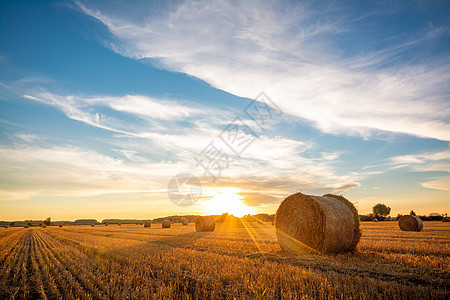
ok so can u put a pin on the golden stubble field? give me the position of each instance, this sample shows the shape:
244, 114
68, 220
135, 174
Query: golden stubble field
238, 260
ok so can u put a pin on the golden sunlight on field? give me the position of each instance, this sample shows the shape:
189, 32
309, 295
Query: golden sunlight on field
238, 260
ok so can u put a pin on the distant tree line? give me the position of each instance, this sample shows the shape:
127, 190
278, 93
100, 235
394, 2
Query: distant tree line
381, 212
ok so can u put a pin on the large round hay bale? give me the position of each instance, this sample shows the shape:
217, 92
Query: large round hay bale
306, 223
410, 223
205, 224
166, 224
147, 224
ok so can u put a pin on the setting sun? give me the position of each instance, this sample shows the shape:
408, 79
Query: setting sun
227, 201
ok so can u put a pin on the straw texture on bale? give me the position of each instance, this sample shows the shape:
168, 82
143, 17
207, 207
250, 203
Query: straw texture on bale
205, 224
410, 223
147, 224
306, 223
166, 224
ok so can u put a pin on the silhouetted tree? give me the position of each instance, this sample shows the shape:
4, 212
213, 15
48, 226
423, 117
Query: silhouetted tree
48, 221
381, 210
412, 213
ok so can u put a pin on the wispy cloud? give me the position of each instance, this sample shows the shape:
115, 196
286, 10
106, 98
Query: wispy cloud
71, 171
436, 161
147, 156
29, 171
244, 48
442, 183
28, 137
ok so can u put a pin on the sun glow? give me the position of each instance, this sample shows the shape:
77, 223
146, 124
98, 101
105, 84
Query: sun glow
227, 200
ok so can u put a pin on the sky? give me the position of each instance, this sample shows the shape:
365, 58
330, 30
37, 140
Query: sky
119, 109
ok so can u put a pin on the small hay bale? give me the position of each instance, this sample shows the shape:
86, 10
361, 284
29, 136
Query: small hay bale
375, 220
119, 224
205, 224
306, 223
446, 219
60, 225
43, 226
185, 222
92, 225
410, 223
166, 224
147, 224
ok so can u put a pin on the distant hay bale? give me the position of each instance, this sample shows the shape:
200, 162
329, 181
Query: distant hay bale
60, 225
92, 225
119, 224
306, 223
205, 224
106, 224
446, 219
185, 222
410, 223
147, 224
166, 224
375, 220
43, 226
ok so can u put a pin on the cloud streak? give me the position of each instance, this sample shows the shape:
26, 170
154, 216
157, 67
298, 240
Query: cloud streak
436, 161
151, 149
290, 52
442, 184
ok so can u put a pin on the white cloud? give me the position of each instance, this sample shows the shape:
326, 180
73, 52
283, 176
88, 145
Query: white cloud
66, 171
147, 107
28, 137
437, 161
421, 158
247, 47
442, 183
272, 159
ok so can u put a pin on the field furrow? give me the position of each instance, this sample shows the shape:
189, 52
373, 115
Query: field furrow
240, 261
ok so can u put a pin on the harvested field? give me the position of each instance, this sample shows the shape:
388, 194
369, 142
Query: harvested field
241, 260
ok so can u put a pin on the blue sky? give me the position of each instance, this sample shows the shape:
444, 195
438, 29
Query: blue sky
102, 103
